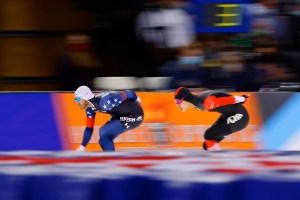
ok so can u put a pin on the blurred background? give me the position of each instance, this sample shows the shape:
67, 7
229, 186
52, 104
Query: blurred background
238, 45
148, 45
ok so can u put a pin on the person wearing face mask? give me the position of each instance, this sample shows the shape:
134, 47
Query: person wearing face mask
78, 63
191, 60
188, 68
234, 116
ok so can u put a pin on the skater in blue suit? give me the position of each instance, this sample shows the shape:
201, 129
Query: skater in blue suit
125, 110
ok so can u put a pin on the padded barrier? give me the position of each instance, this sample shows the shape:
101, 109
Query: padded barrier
189, 175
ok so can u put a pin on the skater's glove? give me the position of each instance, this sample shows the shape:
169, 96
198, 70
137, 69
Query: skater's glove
246, 96
80, 148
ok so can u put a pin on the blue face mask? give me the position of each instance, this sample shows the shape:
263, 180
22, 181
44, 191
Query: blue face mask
191, 60
295, 13
272, 12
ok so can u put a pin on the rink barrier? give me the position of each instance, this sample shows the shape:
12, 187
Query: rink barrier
53, 121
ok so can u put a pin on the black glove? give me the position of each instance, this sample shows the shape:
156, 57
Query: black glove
246, 96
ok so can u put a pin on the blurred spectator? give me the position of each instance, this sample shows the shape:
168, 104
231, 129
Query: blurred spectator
293, 10
264, 7
166, 25
269, 69
268, 19
163, 26
186, 69
78, 64
234, 70
212, 45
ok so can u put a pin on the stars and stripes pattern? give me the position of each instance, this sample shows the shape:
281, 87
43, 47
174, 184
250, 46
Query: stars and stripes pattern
110, 101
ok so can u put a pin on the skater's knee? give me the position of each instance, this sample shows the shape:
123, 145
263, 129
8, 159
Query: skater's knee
103, 132
208, 135
102, 141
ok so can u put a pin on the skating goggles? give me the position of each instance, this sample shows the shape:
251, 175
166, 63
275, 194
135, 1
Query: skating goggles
77, 99
178, 101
